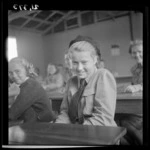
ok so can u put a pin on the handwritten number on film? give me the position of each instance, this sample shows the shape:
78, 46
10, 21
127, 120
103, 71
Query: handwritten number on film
25, 7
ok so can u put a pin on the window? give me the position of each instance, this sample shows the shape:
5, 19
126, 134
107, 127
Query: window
87, 18
12, 48
72, 22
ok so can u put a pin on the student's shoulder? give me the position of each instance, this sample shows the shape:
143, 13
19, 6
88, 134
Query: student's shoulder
133, 69
104, 75
59, 75
103, 72
33, 82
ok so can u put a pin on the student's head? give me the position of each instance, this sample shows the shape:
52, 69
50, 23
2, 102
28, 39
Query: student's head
136, 50
101, 64
51, 69
20, 69
83, 55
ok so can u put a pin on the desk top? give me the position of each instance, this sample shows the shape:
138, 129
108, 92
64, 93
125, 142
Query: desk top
130, 96
120, 96
67, 134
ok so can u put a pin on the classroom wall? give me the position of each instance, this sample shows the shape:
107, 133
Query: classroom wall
105, 33
30, 46
137, 21
42, 50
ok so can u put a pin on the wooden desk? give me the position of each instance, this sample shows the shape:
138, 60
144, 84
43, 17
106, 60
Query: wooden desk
129, 103
120, 96
128, 96
126, 102
66, 134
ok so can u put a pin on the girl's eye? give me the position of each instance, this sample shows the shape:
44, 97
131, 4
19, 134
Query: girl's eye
133, 53
10, 73
139, 52
17, 71
74, 63
84, 63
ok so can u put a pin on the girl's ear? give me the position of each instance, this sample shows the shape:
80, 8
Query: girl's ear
95, 59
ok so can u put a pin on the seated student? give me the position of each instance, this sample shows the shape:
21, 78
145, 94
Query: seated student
32, 103
134, 122
90, 97
54, 81
136, 51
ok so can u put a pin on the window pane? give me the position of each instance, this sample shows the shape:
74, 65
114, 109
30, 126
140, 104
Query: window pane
12, 48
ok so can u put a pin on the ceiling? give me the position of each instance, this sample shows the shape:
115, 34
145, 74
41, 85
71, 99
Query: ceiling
47, 22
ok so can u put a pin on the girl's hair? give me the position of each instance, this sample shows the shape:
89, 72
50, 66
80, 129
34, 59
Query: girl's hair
67, 58
134, 43
85, 43
30, 70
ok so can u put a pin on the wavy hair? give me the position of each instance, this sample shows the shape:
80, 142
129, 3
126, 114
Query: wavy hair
30, 70
134, 43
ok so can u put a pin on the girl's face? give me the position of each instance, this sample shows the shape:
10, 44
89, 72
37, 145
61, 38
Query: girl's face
51, 69
17, 73
83, 64
137, 53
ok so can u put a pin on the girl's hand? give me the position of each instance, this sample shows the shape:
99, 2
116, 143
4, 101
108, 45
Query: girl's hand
130, 89
134, 88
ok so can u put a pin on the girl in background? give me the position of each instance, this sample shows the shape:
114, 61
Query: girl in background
54, 81
136, 52
32, 103
133, 122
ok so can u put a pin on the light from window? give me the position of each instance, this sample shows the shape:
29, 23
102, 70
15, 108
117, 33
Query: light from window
12, 48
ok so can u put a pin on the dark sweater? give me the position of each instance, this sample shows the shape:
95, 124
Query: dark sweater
31, 104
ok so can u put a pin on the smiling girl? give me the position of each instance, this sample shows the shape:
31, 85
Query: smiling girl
32, 103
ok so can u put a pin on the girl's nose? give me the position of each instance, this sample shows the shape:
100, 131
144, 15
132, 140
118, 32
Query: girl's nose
80, 66
137, 55
14, 75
